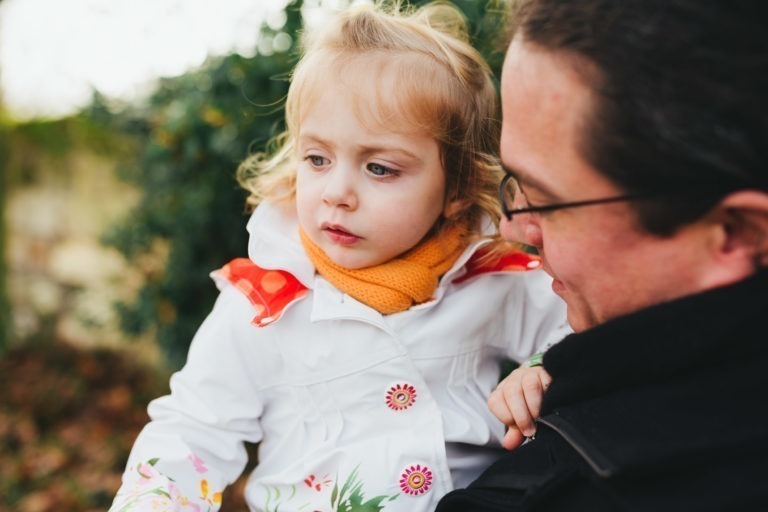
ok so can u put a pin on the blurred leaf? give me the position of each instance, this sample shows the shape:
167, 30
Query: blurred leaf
67, 421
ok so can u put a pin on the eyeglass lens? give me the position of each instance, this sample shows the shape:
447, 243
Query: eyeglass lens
512, 192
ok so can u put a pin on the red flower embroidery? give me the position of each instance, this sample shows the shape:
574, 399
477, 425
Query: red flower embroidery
314, 483
401, 397
416, 480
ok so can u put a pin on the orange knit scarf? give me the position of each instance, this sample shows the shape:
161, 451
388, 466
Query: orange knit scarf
397, 284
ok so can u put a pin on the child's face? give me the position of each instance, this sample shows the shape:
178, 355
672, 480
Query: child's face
365, 193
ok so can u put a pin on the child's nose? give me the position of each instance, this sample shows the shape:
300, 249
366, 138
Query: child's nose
339, 190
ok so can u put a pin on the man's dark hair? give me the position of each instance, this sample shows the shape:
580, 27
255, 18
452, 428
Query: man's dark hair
681, 93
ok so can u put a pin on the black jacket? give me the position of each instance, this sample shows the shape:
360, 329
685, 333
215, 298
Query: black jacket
661, 410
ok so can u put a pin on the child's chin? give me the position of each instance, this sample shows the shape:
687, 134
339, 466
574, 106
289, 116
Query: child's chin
352, 261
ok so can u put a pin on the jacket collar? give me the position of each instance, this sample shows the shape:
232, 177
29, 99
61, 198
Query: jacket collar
274, 241
661, 341
677, 379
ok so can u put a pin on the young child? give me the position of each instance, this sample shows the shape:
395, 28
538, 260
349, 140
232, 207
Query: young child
360, 341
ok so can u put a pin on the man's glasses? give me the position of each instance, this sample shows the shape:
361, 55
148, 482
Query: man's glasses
508, 189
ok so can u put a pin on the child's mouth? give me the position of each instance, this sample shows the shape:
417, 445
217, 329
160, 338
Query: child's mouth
340, 236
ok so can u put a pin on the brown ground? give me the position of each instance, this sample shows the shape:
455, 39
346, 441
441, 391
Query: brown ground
68, 419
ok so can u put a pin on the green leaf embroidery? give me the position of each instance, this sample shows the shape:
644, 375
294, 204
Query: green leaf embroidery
354, 502
335, 493
350, 498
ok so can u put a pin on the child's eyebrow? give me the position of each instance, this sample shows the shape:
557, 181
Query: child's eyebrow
390, 149
308, 137
372, 149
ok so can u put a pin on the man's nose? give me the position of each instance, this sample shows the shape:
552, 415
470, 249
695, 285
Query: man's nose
521, 229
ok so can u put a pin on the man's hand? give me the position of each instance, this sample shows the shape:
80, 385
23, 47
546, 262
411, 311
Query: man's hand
516, 401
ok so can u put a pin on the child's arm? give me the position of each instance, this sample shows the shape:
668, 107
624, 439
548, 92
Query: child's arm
516, 401
193, 447
538, 320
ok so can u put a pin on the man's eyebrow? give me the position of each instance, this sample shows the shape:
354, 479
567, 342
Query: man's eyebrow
528, 182
512, 172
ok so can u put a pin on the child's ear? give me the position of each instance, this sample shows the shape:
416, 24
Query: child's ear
744, 220
454, 208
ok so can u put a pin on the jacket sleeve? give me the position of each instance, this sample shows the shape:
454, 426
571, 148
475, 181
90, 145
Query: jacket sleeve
193, 447
535, 316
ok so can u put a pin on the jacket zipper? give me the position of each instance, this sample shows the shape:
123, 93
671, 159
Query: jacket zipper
600, 470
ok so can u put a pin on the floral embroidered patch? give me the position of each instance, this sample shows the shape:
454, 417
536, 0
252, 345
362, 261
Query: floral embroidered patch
401, 397
337, 495
416, 480
149, 489
317, 483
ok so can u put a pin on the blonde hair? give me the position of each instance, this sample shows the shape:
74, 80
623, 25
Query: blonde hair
440, 85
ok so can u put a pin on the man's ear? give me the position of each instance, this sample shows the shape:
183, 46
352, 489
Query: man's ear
744, 218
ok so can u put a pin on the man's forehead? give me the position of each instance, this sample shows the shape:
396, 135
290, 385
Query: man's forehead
545, 109
511, 61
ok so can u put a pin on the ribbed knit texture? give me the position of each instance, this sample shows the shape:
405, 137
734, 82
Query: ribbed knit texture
398, 284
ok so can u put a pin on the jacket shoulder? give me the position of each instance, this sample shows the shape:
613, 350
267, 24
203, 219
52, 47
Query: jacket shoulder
481, 263
542, 475
269, 291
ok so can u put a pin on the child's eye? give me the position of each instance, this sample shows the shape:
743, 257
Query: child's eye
380, 170
316, 160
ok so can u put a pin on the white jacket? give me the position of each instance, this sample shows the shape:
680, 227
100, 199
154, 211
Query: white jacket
352, 409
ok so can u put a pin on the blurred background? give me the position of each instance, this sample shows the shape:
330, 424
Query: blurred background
121, 125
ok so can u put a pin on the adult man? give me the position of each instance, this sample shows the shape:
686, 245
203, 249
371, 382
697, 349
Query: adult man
637, 133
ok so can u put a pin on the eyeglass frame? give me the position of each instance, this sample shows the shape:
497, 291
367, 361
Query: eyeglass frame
509, 213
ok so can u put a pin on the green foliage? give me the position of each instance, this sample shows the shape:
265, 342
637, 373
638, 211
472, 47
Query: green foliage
31, 149
4, 328
194, 132
487, 23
